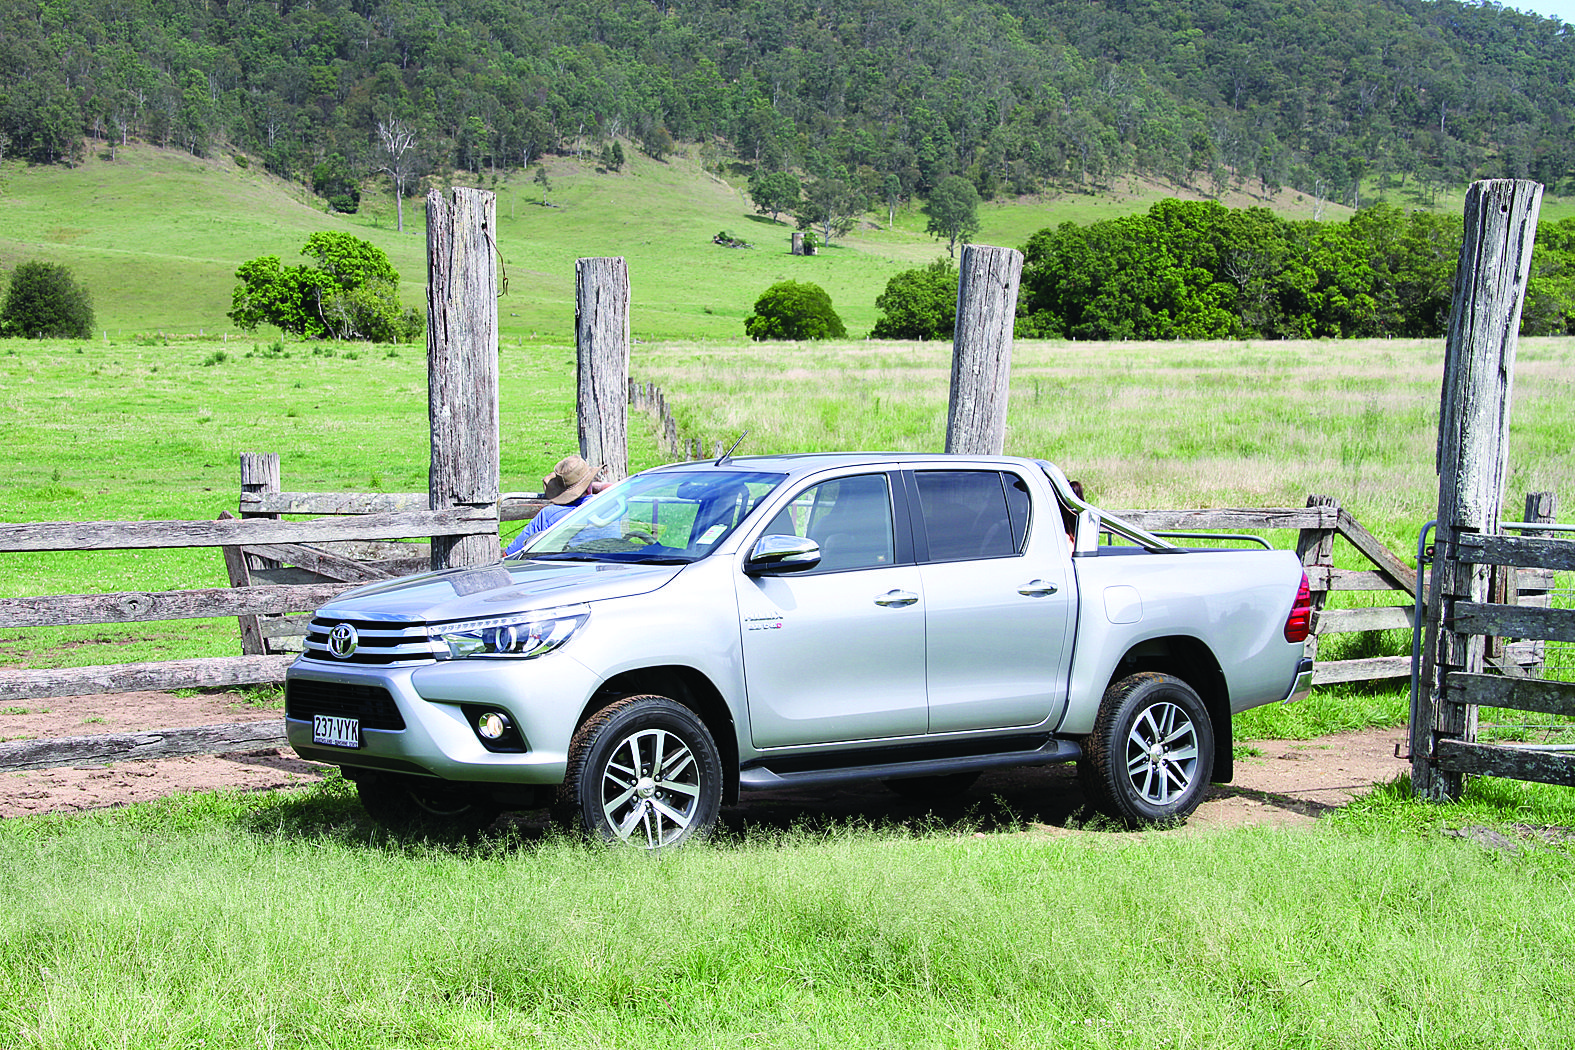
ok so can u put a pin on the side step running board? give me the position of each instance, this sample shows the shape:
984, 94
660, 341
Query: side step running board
761, 777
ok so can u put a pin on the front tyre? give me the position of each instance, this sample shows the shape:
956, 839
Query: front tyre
644, 771
1151, 752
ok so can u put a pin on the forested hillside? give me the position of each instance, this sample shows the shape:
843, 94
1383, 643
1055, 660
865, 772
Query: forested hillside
884, 96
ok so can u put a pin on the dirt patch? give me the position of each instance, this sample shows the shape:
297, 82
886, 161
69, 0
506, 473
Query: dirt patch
73, 789
1287, 783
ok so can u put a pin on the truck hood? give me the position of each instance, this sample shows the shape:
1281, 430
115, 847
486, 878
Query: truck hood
496, 590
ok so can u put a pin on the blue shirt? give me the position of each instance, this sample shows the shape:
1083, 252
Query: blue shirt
544, 517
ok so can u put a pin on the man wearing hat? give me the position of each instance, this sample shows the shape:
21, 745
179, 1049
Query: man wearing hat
572, 482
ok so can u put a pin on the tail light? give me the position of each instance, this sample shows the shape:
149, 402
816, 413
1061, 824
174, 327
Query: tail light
1298, 625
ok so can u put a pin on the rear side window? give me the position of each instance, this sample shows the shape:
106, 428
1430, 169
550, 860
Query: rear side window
973, 514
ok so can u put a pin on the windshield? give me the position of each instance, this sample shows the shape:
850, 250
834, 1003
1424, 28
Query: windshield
663, 516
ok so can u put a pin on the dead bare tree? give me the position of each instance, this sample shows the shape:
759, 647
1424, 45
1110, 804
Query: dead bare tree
398, 139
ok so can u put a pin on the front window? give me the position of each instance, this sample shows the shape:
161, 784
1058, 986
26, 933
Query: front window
850, 519
662, 516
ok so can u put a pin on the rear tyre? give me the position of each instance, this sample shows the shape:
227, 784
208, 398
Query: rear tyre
1151, 752
420, 805
942, 787
643, 771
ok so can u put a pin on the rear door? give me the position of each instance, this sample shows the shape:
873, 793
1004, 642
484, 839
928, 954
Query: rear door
999, 600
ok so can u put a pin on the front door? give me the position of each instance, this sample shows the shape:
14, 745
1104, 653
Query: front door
836, 653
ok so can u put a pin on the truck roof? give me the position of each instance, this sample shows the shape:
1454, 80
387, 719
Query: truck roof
797, 463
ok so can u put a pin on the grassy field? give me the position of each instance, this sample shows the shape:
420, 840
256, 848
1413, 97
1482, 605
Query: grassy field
283, 920
1148, 424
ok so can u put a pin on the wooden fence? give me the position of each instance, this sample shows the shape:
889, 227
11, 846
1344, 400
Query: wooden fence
1462, 691
1318, 525
1471, 600
261, 603
670, 441
282, 569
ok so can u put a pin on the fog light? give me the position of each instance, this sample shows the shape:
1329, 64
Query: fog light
492, 725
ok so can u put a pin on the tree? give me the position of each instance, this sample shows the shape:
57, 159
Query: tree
351, 293
832, 205
774, 192
919, 304
794, 310
891, 190
953, 209
349, 260
542, 181
44, 301
333, 180
658, 142
398, 139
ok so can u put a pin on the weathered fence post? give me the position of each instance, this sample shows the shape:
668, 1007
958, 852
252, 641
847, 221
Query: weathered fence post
259, 473
982, 349
601, 337
1473, 438
462, 366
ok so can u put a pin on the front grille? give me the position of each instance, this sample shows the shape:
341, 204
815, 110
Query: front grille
372, 704
377, 642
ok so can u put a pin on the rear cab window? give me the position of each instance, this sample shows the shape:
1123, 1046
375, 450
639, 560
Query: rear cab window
972, 514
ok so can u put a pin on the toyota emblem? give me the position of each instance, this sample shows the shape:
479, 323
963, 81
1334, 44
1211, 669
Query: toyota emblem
342, 641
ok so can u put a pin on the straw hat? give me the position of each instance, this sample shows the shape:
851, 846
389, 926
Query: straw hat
568, 480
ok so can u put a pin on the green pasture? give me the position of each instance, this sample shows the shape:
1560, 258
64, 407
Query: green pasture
284, 920
1147, 425
156, 236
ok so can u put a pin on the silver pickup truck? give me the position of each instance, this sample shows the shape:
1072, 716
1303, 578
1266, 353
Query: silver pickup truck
706, 628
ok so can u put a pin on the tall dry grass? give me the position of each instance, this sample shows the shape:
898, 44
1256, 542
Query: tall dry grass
1146, 425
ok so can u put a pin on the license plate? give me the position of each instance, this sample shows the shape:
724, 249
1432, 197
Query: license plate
335, 731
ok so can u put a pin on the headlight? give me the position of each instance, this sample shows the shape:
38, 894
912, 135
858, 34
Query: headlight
521, 637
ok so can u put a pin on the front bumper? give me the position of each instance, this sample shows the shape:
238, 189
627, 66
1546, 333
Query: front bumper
431, 735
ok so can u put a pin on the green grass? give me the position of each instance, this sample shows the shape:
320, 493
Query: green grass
284, 920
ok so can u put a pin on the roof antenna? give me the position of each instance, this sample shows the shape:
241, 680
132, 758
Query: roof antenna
729, 453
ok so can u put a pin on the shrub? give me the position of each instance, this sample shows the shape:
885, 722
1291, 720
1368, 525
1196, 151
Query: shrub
919, 304
352, 293
45, 302
794, 310
333, 180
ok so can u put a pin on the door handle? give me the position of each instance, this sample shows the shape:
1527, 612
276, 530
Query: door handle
1037, 589
896, 599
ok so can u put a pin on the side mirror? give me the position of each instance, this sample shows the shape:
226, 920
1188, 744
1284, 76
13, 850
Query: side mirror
774, 555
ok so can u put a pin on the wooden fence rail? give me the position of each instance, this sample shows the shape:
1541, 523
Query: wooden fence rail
1318, 525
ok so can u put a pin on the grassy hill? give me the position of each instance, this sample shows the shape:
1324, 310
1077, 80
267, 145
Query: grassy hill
156, 236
